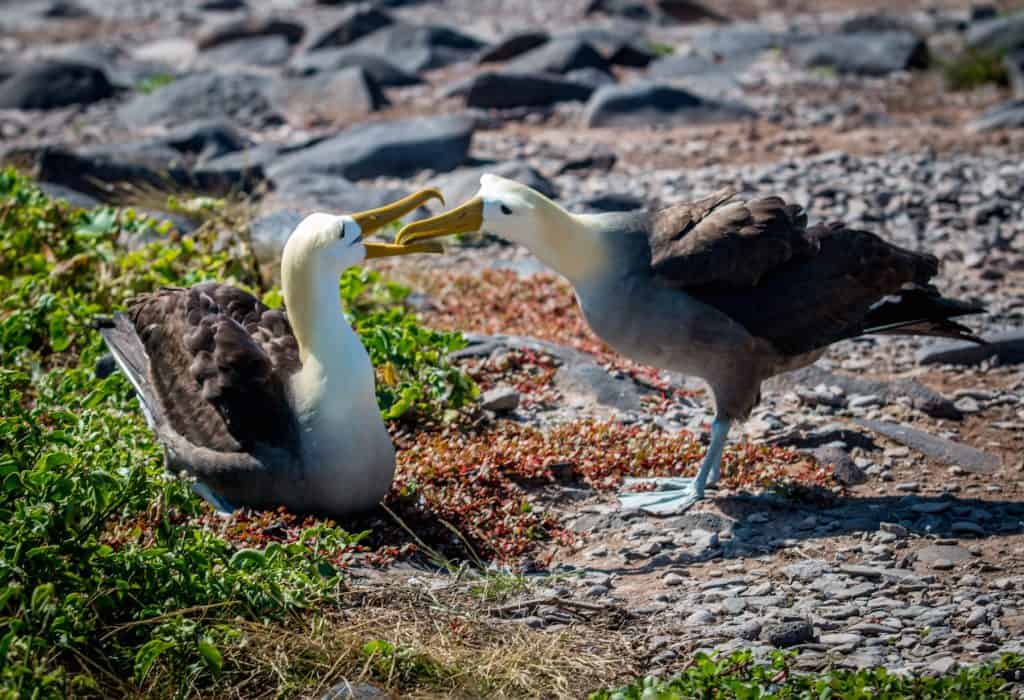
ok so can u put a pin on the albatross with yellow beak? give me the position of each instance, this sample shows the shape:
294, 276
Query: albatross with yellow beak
729, 291
269, 407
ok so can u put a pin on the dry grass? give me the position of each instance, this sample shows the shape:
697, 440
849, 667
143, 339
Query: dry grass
447, 644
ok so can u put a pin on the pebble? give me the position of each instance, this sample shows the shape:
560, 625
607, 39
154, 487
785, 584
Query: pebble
673, 579
789, 634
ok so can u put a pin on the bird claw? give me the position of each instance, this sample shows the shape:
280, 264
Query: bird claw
672, 495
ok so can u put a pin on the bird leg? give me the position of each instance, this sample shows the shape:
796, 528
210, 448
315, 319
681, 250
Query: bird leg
673, 495
222, 507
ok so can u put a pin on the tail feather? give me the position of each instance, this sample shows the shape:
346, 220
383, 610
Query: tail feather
130, 355
921, 310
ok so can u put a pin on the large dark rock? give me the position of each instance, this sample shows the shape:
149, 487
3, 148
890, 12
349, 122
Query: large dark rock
512, 46
610, 202
744, 40
253, 51
396, 148
122, 70
650, 104
1008, 115
415, 48
247, 27
559, 56
1007, 347
241, 96
998, 34
924, 399
385, 73
205, 139
100, 171
620, 46
358, 22
509, 90
689, 11
945, 451
344, 95
702, 75
876, 23
54, 84
864, 53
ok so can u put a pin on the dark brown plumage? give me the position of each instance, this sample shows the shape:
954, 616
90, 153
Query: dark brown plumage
799, 288
211, 365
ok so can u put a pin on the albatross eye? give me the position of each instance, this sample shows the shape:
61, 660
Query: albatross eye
341, 233
505, 210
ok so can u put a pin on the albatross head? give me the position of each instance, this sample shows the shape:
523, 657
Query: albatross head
520, 214
336, 243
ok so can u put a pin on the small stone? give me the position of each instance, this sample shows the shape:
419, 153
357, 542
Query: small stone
673, 579
894, 529
789, 634
500, 399
976, 617
841, 639
908, 486
943, 666
700, 618
942, 565
597, 591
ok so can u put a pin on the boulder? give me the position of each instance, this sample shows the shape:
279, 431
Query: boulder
123, 71
744, 40
242, 96
53, 84
100, 170
247, 27
512, 46
383, 72
864, 53
253, 51
998, 34
654, 104
1008, 348
1008, 115
509, 90
356, 23
415, 48
205, 139
610, 202
348, 94
946, 451
559, 56
396, 148
700, 74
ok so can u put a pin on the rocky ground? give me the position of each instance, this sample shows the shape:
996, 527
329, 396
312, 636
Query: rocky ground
910, 553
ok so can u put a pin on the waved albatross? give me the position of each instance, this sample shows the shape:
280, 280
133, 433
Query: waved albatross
731, 292
268, 407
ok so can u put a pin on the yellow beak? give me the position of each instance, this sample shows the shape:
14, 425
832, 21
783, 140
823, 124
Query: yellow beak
387, 250
466, 218
373, 220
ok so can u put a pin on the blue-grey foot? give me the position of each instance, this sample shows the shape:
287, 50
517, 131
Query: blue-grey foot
206, 493
675, 495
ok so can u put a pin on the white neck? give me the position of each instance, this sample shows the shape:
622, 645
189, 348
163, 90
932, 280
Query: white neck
335, 385
569, 244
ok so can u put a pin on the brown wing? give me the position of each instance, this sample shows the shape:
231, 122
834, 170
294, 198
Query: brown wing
799, 288
719, 241
219, 361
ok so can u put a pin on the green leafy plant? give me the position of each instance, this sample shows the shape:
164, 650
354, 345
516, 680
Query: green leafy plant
974, 68
740, 677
